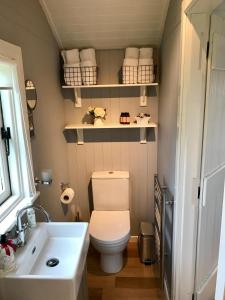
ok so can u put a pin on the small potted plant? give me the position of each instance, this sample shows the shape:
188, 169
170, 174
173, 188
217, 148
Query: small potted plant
142, 119
98, 114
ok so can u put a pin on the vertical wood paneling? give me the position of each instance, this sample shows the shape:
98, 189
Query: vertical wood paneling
114, 149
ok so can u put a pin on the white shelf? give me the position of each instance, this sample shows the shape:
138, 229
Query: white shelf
142, 86
80, 127
107, 85
109, 126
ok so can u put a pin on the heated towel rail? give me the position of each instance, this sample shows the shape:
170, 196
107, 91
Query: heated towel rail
163, 232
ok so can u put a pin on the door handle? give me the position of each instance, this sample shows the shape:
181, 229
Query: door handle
169, 202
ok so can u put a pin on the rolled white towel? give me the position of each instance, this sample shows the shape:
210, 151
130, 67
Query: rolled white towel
146, 52
72, 74
133, 62
145, 62
77, 65
70, 56
132, 52
88, 63
88, 55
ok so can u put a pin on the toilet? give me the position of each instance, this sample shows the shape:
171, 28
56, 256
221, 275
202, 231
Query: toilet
110, 220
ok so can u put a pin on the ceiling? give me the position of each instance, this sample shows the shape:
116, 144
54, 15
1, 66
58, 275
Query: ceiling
106, 24
221, 10
204, 6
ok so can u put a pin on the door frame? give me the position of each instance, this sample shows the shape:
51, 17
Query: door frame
195, 33
193, 76
220, 288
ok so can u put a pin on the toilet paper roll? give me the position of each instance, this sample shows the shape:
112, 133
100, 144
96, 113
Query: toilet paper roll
67, 196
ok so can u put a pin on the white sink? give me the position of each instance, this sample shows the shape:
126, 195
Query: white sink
33, 279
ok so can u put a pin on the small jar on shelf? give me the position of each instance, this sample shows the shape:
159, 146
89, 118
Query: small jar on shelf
125, 118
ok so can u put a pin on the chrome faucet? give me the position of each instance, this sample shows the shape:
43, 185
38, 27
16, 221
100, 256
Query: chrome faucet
22, 228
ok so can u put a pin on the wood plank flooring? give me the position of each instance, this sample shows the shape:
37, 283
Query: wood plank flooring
135, 281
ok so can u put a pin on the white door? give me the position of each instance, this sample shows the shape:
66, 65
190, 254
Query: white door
213, 166
220, 282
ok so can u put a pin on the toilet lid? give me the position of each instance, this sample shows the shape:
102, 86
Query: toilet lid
109, 226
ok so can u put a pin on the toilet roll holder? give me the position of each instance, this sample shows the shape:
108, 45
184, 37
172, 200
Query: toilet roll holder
38, 181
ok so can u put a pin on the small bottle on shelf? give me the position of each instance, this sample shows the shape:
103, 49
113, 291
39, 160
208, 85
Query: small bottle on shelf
121, 118
127, 118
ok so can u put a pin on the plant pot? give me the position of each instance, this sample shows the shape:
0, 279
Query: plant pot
98, 122
142, 121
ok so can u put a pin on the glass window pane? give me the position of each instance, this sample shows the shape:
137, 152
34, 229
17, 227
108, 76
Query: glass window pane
5, 190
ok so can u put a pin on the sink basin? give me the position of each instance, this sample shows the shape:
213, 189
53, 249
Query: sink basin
64, 246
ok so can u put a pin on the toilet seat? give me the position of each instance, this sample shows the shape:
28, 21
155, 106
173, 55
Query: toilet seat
109, 227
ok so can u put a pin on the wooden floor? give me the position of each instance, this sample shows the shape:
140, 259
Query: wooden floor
135, 281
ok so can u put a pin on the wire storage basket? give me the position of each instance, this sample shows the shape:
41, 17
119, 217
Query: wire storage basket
129, 74
146, 74
89, 75
72, 75
141, 74
76, 76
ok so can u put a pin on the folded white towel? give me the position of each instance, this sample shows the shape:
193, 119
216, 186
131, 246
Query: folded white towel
70, 56
77, 65
72, 74
88, 63
145, 62
132, 52
130, 62
88, 55
146, 52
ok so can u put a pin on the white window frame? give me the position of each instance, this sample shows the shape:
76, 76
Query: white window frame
5, 188
23, 187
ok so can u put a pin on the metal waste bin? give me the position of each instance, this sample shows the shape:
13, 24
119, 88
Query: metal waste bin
146, 243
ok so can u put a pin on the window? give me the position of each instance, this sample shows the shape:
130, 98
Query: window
17, 187
5, 188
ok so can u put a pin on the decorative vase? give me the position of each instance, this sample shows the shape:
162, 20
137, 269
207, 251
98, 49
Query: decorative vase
98, 122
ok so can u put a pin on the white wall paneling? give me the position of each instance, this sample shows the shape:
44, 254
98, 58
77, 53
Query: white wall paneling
113, 149
114, 25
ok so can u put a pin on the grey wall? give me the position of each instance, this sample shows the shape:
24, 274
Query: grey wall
23, 23
114, 149
169, 93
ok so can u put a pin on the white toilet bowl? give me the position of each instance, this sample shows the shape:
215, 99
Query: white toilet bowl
109, 234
